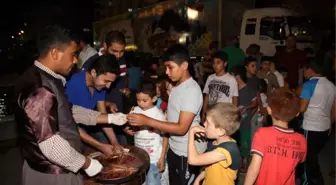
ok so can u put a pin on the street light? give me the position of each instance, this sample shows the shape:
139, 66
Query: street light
12, 37
192, 14
22, 31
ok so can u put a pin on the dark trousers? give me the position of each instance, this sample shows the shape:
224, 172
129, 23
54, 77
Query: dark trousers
180, 172
311, 168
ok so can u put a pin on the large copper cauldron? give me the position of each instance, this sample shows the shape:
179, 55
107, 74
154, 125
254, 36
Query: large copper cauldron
140, 178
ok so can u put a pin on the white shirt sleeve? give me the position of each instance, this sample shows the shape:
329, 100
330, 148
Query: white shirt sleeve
281, 80
58, 150
234, 87
206, 87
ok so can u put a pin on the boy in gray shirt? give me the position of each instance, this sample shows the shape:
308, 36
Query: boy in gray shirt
247, 107
184, 107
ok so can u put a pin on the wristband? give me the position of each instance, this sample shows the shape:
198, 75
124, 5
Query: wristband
110, 118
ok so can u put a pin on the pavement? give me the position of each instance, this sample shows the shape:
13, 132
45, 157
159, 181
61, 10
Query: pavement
11, 163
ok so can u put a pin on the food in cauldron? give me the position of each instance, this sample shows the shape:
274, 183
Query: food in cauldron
121, 159
121, 167
116, 172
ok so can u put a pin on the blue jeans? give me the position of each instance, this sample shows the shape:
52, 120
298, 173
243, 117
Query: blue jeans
100, 136
121, 139
153, 175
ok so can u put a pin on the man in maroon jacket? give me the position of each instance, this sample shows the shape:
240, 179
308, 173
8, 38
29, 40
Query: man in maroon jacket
291, 59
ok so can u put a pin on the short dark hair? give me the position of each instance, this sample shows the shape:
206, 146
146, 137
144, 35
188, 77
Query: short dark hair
241, 72
115, 37
177, 53
313, 65
255, 46
105, 64
85, 37
249, 60
220, 55
266, 59
285, 105
147, 88
54, 36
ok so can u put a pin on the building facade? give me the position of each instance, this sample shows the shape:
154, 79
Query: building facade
108, 8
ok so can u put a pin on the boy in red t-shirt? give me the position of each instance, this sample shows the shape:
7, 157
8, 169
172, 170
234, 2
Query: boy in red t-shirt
277, 150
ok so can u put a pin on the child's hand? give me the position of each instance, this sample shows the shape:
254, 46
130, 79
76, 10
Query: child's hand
161, 165
129, 131
138, 119
197, 129
199, 133
243, 110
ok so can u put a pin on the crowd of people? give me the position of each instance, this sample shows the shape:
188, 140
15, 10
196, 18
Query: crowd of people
250, 116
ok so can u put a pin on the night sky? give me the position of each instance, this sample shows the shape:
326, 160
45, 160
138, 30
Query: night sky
76, 13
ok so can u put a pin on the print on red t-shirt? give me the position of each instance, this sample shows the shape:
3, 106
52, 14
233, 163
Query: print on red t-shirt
281, 150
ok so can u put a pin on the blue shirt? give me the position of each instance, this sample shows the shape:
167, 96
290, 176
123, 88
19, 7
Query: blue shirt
79, 94
158, 102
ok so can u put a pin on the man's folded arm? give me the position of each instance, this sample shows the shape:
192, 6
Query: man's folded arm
41, 109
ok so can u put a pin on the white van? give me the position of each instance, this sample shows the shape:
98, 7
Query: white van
268, 27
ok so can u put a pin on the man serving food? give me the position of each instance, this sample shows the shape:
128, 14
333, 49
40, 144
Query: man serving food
51, 145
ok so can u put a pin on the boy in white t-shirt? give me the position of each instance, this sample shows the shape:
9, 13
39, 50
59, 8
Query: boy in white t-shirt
149, 139
184, 107
220, 86
318, 103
